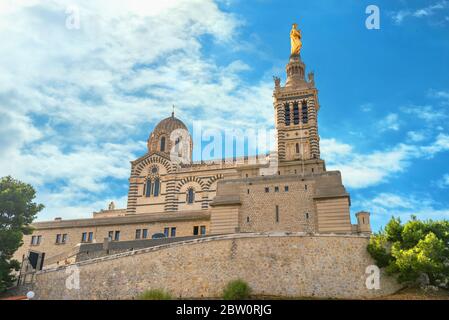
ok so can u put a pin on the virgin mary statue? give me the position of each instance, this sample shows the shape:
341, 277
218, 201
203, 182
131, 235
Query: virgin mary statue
295, 40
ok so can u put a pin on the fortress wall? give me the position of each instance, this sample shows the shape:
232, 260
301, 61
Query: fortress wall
281, 264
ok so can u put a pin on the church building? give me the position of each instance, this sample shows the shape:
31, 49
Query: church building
169, 200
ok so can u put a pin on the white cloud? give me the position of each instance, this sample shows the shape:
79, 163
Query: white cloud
332, 150
390, 122
426, 113
364, 170
442, 95
399, 16
416, 136
73, 103
385, 205
444, 182
366, 107
440, 145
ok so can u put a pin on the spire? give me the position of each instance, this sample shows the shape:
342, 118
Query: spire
173, 112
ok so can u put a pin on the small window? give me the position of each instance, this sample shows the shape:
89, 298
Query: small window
195, 230
297, 148
247, 191
84, 237
166, 230
305, 187
148, 188
58, 238
117, 236
279, 173
35, 240
287, 114
247, 175
144, 233
173, 232
267, 189
190, 196
247, 219
313, 170
305, 115
203, 230
276, 189
138, 233
162, 144
64, 238
277, 214
295, 113
110, 235
91, 236
157, 185
307, 215
286, 188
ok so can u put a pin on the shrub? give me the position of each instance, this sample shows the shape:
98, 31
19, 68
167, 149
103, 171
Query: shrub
154, 294
236, 290
417, 252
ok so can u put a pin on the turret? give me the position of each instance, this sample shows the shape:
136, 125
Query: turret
363, 222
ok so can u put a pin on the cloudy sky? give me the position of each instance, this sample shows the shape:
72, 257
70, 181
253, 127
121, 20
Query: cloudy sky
79, 97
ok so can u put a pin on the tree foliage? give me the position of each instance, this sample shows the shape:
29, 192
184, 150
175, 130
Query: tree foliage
17, 212
417, 252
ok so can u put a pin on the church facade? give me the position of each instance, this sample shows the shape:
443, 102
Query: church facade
188, 199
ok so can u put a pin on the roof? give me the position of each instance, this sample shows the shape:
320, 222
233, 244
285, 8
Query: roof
169, 124
128, 219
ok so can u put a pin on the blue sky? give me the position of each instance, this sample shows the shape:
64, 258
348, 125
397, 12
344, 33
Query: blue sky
77, 104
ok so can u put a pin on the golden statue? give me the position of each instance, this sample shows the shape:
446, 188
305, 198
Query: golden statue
295, 39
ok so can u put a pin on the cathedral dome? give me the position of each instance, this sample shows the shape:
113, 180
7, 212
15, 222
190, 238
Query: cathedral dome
159, 140
169, 124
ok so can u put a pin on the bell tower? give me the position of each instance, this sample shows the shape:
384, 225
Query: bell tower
296, 108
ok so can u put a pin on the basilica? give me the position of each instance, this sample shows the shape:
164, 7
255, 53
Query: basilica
170, 200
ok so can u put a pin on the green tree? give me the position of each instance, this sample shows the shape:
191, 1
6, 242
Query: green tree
413, 251
17, 212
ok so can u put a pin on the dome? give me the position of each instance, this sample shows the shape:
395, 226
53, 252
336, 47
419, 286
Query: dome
159, 140
169, 124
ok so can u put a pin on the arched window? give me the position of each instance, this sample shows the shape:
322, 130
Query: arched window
287, 114
156, 187
162, 144
305, 114
295, 113
148, 188
177, 144
190, 196
297, 148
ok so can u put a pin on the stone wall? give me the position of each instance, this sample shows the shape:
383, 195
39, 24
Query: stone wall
127, 230
294, 265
